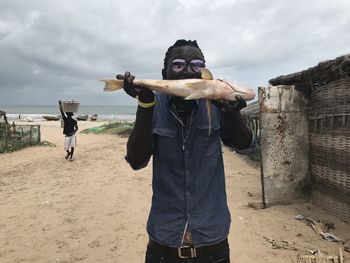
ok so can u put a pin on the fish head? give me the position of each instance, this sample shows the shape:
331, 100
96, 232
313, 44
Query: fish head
206, 74
239, 90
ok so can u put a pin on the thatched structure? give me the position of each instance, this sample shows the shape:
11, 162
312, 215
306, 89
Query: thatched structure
320, 75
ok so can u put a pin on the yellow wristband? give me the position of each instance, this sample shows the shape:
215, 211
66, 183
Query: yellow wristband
147, 105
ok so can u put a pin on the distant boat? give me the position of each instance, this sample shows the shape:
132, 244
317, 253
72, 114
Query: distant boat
51, 117
93, 117
82, 117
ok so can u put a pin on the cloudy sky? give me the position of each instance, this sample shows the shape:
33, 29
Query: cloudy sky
52, 50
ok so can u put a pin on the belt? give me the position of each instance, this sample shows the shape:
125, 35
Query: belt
186, 251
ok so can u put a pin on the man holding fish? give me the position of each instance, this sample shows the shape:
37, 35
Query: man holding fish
189, 217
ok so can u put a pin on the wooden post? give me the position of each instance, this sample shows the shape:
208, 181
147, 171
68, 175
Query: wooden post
22, 137
30, 135
5, 137
341, 255
39, 134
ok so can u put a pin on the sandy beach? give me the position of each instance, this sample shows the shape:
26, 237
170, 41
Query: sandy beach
95, 208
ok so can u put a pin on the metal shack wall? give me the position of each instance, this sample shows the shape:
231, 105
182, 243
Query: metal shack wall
284, 143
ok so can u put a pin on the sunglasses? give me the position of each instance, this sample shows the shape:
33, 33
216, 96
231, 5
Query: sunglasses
180, 64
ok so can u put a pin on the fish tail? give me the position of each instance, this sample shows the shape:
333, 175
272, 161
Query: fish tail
208, 104
112, 84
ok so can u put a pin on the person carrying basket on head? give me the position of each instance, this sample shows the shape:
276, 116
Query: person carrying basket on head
69, 130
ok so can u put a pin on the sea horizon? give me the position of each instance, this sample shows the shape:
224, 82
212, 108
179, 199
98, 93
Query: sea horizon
104, 112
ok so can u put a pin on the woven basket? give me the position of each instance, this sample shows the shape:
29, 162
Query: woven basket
331, 204
70, 105
329, 116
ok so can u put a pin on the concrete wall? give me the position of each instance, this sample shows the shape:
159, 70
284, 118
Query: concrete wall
284, 143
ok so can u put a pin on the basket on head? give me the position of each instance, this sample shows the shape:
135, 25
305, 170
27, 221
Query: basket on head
70, 105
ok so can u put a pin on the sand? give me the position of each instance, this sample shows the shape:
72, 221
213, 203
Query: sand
95, 208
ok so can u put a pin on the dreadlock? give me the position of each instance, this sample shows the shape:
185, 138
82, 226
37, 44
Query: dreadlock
179, 43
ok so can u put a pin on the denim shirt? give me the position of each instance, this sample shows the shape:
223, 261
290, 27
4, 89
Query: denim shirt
188, 177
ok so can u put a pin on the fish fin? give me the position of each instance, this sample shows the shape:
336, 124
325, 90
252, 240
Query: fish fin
208, 104
206, 74
112, 84
194, 96
198, 92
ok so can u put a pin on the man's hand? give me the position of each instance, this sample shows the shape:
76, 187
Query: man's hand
232, 107
142, 93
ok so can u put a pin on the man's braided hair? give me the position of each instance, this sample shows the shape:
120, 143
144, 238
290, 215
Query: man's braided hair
179, 43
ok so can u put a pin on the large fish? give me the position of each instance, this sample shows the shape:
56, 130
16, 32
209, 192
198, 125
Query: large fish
207, 87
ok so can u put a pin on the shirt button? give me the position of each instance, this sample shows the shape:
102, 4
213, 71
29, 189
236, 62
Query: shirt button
188, 193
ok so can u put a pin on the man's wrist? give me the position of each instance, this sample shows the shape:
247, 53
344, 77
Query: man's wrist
146, 104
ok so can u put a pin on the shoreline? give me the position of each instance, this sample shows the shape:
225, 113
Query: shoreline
116, 112
27, 118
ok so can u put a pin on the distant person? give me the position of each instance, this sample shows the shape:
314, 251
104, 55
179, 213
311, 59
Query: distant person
3, 114
69, 129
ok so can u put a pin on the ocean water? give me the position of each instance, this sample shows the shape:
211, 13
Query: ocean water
119, 112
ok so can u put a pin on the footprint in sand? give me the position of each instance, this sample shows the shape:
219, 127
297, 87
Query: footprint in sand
96, 243
69, 220
61, 244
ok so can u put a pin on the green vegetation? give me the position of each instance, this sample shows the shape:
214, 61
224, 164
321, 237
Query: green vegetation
47, 144
15, 137
119, 128
15, 146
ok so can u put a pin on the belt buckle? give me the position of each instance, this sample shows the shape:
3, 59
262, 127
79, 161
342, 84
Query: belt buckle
192, 250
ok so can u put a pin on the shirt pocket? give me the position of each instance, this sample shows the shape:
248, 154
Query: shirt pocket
165, 144
208, 142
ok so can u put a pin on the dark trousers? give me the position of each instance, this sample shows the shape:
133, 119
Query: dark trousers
221, 255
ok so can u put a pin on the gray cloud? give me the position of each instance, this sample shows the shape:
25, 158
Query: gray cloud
58, 49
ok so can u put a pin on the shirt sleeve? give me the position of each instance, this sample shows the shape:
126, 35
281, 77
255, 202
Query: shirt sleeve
139, 145
250, 149
230, 135
138, 167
